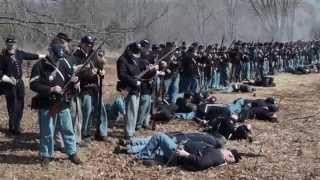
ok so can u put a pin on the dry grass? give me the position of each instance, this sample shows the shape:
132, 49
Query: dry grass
291, 147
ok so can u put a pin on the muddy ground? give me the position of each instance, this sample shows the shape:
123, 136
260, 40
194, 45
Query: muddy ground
291, 147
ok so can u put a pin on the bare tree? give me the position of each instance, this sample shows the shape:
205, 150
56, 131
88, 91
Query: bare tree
276, 16
122, 21
231, 19
204, 14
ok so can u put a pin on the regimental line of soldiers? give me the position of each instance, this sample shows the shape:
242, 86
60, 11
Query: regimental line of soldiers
199, 68
153, 80
216, 66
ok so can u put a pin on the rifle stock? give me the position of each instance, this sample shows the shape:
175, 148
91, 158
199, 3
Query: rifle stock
55, 109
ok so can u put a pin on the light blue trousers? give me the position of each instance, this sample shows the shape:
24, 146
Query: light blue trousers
62, 122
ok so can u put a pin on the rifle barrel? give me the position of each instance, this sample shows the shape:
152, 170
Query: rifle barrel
139, 76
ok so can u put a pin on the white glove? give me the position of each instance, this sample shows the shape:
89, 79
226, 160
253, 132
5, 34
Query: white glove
41, 56
138, 83
74, 79
102, 72
94, 71
10, 80
182, 153
161, 73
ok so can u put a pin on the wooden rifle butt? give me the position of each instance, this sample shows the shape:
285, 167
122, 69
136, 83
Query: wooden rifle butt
55, 109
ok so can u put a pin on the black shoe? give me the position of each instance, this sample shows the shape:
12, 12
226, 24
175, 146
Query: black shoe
106, 139
149, 163
75, 159
274, 120
120, 150
98, 137
45, 161
11, 131
124, 142
17, 131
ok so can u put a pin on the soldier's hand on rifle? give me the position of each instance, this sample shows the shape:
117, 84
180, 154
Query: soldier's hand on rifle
76, 68
163, 64
10, 80
151, 67
156, 67
102, 72
182, 153
161, 73
94, 71
41, 56
138, 83
56, 89
74, 79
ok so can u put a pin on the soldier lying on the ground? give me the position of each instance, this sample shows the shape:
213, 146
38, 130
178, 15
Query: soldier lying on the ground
193, 151
304, 70
261, 109
226, 127
188, 105
239, 88
265, 82
117, 109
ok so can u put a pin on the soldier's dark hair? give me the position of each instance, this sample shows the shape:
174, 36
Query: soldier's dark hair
56, 40
236, 155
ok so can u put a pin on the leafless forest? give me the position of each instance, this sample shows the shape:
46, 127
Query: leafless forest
123, 21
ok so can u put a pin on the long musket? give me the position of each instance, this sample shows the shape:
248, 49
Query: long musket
252, 155
139, 76
157, 90
56, 107
101, 77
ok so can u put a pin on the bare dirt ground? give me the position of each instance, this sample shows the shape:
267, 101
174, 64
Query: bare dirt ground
291, 147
